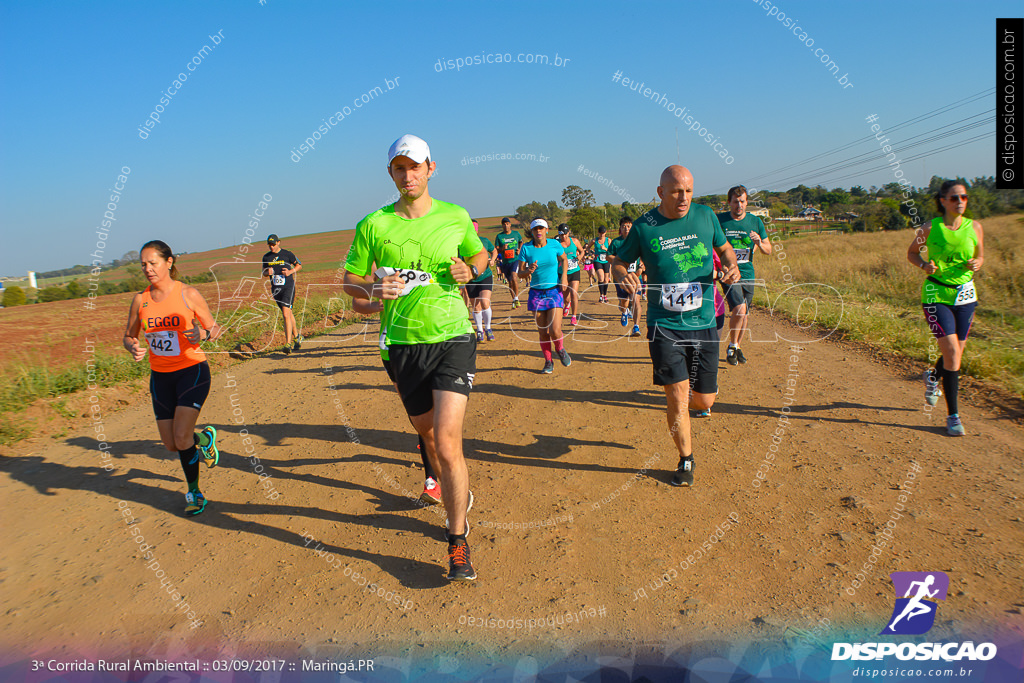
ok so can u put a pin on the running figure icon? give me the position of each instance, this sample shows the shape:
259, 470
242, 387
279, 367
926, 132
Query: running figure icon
915, 607
917, 599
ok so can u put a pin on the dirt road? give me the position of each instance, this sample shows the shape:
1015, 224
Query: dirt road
576, 534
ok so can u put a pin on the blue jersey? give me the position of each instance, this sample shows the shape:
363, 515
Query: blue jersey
546, 258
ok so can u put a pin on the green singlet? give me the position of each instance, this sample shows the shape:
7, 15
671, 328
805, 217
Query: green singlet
950, 250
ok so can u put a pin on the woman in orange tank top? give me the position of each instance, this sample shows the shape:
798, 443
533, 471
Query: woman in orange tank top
172, 320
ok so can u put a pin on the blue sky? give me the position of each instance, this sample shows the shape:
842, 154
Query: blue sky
79, 79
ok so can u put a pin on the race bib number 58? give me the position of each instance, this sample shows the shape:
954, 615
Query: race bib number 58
688, 296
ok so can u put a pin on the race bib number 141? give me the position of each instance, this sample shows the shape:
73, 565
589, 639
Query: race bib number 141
688, 296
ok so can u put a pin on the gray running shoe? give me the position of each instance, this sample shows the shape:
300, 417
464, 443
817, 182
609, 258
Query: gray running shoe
954, 427
931, 388
563, 356
549, 367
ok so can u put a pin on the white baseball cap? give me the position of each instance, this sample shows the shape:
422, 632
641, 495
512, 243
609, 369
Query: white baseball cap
409, 146
539, 223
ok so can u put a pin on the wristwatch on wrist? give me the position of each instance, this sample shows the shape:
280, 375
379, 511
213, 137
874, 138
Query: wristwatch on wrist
476, 273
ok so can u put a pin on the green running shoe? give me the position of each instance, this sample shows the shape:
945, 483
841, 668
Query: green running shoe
210, 452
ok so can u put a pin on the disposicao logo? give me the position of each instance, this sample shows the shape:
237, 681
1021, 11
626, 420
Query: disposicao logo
915, 612
912, 615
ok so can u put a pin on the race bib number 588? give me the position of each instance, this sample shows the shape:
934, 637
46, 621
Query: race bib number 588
688, 296
966, 294
413, 278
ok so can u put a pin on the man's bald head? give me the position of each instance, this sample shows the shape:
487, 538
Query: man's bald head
675, 174
675, 191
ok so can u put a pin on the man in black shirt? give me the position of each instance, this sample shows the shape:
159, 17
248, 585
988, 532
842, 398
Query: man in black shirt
280, 265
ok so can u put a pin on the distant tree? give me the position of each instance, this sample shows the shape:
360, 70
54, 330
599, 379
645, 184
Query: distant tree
51, 293
527, 212
612, 213
585, 221
857, 191
14, 296
779, 209
575, 197
135, 281
74, 289
554, 213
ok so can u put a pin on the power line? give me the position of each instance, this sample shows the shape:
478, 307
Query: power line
897, 147
898, 126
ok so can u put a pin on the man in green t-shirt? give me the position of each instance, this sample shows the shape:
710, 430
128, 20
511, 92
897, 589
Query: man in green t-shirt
478, 292
674, 241
424, 249
747, 235
507, 244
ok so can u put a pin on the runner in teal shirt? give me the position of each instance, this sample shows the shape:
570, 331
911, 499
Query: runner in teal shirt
747, 236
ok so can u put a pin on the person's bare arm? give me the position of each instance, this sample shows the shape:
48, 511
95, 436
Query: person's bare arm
730, 270
979, 250
916, 248
130, 341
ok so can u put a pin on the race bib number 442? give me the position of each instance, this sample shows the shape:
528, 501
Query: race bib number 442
163, 343
413, 278
688, 296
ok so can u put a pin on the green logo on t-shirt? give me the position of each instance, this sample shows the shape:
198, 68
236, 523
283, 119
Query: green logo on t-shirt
655, 245
693, 258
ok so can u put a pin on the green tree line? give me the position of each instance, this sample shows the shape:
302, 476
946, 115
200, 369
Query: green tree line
76, 289
891, 207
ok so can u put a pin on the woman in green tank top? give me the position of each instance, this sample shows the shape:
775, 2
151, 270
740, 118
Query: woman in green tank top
601, 264
955, 252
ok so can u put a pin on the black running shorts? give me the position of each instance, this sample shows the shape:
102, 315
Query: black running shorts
284, 295
420, 369
187, 387
739, 293
681, 355
475, 289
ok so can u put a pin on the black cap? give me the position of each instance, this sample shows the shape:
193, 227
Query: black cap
563, 229
272, 239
